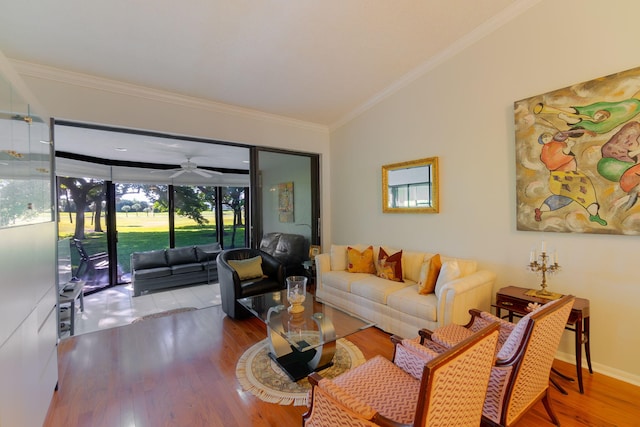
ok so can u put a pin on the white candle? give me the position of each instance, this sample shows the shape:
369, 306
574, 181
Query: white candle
555, 257
543, 246
532, 255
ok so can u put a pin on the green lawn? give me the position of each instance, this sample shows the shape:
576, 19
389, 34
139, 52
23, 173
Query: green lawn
142, 232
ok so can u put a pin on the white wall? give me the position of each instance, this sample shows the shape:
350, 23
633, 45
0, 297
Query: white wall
462, 112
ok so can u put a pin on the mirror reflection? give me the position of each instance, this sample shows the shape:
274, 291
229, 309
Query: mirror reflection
410, 187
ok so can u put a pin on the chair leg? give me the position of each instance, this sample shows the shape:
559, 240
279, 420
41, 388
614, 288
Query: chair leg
547, 405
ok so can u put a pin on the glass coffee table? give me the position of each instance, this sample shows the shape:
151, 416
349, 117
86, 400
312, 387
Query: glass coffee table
301, 343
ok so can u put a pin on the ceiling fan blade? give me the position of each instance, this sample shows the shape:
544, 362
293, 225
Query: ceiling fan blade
180, 172
201, 173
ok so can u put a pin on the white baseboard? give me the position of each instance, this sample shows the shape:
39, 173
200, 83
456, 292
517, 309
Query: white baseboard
602, 369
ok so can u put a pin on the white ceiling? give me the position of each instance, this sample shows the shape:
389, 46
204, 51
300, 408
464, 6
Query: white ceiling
319, 61
122, 148
312, 60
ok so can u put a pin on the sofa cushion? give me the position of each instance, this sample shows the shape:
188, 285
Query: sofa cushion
376, 289
429, 275
467, 266
208, 252
412, 263
408, 301
257, 286
152, 273
341, 280
360, 261
148, 259
183, 255
249, 268
389, 266
186, 268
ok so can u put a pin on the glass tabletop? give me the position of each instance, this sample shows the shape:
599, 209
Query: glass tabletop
316, 325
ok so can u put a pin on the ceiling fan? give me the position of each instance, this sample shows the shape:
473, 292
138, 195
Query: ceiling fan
190, 167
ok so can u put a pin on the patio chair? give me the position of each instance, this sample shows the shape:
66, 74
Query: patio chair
419, 388
520, 376
91, 266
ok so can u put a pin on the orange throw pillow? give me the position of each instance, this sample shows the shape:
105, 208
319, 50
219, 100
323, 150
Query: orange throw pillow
394, 261
429, 275
360, 262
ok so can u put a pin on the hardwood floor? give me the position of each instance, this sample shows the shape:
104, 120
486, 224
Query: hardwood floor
180, 371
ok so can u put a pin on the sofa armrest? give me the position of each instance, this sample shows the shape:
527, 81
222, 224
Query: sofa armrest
323, 265
459, 296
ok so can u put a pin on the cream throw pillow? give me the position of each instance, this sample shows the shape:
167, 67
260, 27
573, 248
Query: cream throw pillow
338, 256
450, 271
249, 268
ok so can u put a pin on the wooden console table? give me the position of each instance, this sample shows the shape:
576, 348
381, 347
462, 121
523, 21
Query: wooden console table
515, 301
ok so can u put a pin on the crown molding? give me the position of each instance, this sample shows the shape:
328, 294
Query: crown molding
11, 74
107, 85
515, 9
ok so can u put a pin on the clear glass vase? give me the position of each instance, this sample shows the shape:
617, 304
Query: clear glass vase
296, 293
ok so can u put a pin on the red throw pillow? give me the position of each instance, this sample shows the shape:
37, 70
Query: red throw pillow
387, 260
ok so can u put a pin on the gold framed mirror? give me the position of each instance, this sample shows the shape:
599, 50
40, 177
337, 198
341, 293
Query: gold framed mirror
410, 187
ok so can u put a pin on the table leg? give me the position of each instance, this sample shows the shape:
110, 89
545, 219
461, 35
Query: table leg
72, 313
578, 340
297, 364
324, 353
587, 341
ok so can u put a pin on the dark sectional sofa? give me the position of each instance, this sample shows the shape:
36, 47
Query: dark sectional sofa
168, 268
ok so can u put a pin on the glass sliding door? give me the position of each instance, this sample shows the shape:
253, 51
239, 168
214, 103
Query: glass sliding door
82, 218
287, 195
233, 203
195, 215
141, 219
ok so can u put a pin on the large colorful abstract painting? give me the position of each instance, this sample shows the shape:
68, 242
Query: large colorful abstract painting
577, 152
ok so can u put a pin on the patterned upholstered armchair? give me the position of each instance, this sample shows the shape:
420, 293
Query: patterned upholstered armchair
520, 377
419, 388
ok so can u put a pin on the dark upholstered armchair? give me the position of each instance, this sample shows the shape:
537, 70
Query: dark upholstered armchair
290, 249
234, 285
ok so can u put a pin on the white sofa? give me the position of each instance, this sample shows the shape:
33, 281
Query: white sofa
397, 307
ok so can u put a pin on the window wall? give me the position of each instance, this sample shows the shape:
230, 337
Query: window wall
160, 191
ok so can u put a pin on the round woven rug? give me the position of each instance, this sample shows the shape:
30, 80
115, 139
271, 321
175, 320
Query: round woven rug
263, 378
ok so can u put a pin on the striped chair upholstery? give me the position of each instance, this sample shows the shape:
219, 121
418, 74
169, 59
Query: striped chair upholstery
419, 388
526, 350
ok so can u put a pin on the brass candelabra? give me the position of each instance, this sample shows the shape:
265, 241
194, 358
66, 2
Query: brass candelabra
543, 264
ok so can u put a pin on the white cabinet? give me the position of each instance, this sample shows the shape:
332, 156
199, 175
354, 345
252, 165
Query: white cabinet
28, 320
